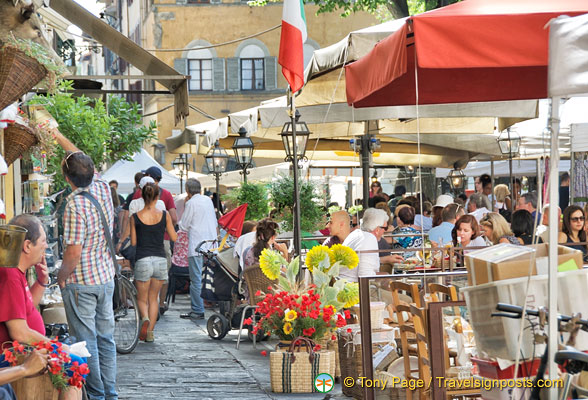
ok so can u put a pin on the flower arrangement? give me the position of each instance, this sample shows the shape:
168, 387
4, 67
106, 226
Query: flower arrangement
62, 371
291, 308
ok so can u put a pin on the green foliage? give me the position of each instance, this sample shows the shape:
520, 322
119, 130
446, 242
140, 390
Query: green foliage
282, 194
255, 195
105, 137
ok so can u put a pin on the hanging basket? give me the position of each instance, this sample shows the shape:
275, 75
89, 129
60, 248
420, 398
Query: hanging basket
18, 74
17, 140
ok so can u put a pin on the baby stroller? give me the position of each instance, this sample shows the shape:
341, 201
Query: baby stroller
222, 280
220, 283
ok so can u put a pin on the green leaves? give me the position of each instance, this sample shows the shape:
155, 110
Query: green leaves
255, 195
282, 194
105, 136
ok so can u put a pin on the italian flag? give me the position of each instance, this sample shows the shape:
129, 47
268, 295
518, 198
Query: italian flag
292, 40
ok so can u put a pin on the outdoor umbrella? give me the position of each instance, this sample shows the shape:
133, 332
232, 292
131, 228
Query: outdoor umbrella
232, 221
465, 52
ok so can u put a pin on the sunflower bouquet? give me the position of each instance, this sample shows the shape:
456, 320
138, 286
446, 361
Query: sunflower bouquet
292, 308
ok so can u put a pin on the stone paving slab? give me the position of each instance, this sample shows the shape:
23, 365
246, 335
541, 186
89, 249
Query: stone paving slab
185, 363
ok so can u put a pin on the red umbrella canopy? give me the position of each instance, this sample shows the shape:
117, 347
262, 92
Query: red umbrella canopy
232, 221
471, 51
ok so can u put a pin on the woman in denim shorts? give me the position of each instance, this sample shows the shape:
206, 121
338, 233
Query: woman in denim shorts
147, 229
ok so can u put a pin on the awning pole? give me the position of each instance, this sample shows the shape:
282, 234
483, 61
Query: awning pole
553, 224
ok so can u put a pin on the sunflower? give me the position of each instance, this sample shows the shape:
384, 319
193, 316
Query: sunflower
270, 262
287, 328
349, 295
345, 256
316, 255
291, 315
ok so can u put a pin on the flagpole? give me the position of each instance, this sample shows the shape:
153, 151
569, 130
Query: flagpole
296, 195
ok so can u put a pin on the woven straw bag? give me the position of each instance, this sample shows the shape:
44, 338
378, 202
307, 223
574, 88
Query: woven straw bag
17, 139
18, 74
294, 371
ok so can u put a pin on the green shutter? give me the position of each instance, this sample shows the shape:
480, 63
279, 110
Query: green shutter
218, 74
181, 65
270, 73
233, 74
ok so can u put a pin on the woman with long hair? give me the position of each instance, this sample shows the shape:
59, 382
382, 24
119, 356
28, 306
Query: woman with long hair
147, 229
573, 229
496, 229
265, 238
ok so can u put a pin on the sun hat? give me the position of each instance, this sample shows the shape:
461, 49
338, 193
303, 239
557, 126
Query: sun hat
443, 200
145, 180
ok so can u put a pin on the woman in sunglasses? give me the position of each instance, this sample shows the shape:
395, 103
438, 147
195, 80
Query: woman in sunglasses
573, 229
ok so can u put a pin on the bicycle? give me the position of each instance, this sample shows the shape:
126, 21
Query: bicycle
126, 313
572, 360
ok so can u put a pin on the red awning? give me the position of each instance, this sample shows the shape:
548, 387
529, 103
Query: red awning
471, 51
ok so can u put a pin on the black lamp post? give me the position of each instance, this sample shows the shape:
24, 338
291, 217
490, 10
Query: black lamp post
243, 148
457, 180
410, 171
181, 164
509, 143
295, 138
216, 161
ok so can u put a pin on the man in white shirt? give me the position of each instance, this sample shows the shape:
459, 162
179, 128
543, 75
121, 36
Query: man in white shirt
476, 206
359, 240
199, 220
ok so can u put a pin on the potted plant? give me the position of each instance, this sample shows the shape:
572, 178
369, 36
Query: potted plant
255, 195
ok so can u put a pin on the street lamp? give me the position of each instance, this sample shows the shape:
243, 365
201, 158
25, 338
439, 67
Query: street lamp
509, 143
365, 146
457, 180
295, 138
410, 171
216, 161
295, 131
243, 148
181, 164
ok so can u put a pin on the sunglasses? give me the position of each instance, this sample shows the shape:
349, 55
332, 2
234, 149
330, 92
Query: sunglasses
577, 219
70, 153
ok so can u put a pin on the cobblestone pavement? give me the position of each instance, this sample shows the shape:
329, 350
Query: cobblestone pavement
185, 363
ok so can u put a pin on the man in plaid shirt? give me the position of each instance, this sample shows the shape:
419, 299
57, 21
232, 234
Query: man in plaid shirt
86, 276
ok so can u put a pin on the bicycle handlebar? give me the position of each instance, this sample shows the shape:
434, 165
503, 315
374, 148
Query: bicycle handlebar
513, 311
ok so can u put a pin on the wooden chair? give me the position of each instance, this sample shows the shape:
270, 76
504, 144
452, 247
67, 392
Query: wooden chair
418, 329
255, 280
412, 291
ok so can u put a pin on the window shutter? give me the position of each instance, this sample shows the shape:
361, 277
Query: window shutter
233, 74
270, 73
218, 74
181, 65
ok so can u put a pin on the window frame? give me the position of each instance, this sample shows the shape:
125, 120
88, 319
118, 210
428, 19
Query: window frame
193, 78
253, 77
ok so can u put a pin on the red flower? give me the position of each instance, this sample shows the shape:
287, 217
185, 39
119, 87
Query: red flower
317, 347
347, 314
333, 337
264, 353
247, 321
314, 314
340, 321
309, 332
349, 330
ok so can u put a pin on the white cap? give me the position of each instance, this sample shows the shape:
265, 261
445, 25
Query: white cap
145, 180
443, 200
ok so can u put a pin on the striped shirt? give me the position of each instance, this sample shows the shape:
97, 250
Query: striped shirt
82, 225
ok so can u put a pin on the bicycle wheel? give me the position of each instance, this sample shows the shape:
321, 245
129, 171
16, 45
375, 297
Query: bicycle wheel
126, 317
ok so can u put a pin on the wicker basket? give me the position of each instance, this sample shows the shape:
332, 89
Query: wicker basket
294, 371
18, 74
17, 139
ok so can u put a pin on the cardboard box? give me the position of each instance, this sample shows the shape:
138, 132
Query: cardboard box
507, 261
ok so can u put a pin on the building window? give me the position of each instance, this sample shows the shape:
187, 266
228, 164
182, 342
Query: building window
252, 74
198, 1
200, 72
